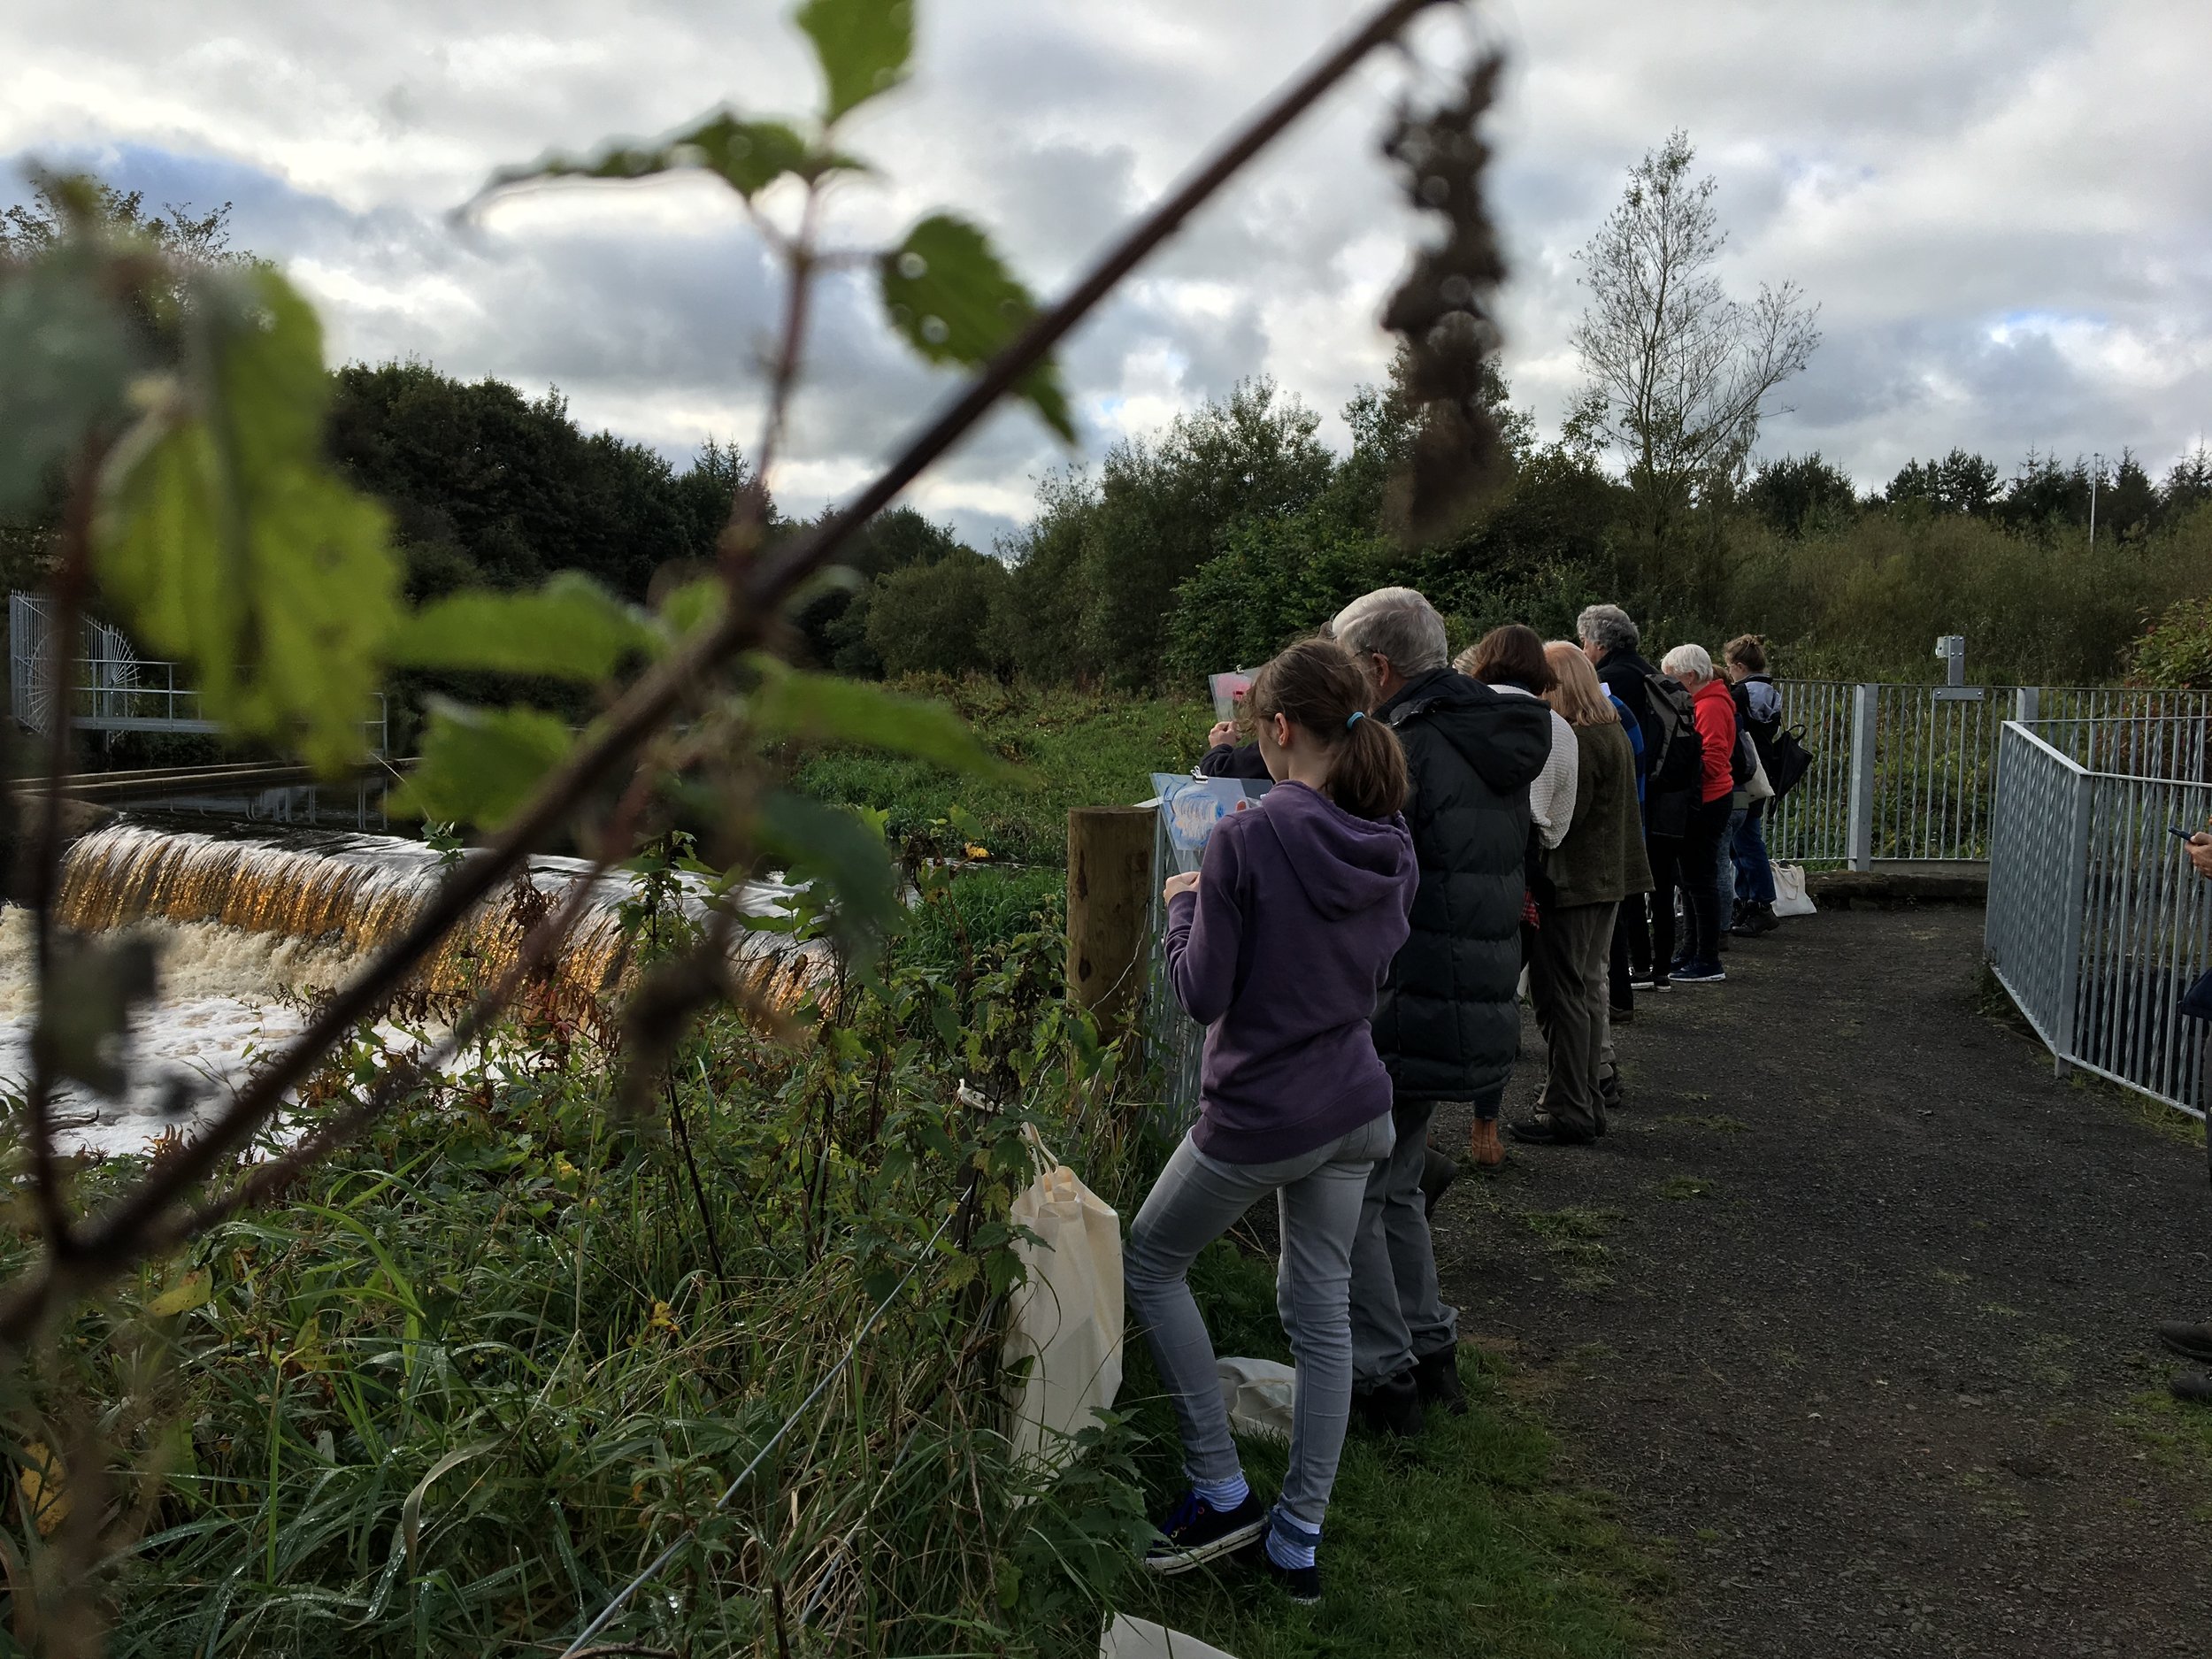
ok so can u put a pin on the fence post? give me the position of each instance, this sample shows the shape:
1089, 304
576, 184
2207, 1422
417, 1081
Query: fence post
2027, 704
1109, 894
1859, 835
2076, 920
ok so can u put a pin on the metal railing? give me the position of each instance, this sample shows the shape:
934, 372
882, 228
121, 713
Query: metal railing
2096, 923
1909, 771
1175, 1040
113, 689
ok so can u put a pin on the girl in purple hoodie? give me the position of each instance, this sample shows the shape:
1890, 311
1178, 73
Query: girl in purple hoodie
1278, 946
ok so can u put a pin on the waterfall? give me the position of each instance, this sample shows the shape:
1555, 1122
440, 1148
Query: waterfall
252, 927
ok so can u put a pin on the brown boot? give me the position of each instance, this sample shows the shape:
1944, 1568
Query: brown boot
1487, 1151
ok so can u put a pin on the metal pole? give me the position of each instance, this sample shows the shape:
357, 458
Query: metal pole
2027, 704
2076, 889
1859, 845
2096, 472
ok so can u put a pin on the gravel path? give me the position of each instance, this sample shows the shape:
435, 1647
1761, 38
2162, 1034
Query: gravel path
1850, 1310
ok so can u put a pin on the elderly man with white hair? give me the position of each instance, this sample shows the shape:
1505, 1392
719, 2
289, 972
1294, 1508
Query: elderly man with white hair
1446, 1023
1696, 872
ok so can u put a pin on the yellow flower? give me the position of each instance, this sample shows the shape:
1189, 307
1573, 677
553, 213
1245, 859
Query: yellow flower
975, 850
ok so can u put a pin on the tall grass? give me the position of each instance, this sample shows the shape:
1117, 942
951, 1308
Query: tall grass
479, 1370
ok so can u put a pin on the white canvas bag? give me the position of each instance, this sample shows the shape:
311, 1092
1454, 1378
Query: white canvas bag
1790, 897
1066, 1318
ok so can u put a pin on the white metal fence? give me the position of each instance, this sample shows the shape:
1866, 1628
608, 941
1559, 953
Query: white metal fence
1910, 772
2096, 925
1175, 1041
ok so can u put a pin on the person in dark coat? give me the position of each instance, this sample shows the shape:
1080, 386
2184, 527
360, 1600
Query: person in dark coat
1225, 757
1446, 1026
1609, 639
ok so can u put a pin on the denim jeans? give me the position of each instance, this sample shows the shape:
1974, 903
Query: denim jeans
1725, 864
1317, 1195
1755, 870
1398, 1314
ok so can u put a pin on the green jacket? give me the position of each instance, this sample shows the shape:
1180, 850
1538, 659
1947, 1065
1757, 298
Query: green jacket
1602, 860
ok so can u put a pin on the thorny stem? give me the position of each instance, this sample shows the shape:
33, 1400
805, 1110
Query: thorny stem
121, 1235
743, 537
45, 856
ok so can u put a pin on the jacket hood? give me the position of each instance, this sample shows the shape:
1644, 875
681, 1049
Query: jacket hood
1505, 738
1715, 688
1346, 864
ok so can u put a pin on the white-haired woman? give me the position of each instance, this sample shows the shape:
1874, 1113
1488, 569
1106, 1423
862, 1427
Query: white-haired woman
1697, 867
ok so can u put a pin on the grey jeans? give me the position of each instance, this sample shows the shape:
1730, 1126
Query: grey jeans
1194, 1202
1398, 1315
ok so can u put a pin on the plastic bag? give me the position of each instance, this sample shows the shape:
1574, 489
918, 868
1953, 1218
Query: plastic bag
1260, 1395
1129, 1638
1790, 897
1065, 1318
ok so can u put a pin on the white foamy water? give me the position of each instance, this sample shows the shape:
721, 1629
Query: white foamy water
251, 927
221, 1001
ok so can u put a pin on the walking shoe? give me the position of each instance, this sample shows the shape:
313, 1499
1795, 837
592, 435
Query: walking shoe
1713, 975
1721, 943
1544, 1131
2191, 1342
1195, 1533
1436, 1377
2194, 1387
1487, 1149
1622, 1016
1756, 920
1648, 982
1437, 1173
1302, 1585
1392, 1407
1612, 1097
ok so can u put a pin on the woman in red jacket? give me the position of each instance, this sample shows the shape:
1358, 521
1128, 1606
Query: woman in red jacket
1697, 869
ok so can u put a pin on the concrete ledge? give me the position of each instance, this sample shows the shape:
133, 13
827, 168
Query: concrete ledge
1885, 887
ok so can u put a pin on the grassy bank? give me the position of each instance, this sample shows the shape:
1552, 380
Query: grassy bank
1079, 748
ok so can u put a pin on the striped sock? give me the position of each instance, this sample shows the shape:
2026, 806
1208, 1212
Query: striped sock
1223, 1495
1290, 1541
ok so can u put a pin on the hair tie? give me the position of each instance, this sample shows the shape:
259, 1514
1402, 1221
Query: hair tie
1354, 718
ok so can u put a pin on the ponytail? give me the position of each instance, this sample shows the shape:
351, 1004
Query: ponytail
1317, 685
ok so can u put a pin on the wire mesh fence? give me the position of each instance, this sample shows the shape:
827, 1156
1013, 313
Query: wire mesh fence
2096, 923
1909, 771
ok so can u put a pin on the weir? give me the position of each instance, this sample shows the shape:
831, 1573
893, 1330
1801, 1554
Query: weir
252, 927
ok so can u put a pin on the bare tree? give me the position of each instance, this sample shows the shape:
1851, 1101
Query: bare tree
1680, 374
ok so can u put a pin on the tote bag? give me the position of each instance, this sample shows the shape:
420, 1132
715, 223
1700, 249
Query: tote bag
1790, 897
1064, 1318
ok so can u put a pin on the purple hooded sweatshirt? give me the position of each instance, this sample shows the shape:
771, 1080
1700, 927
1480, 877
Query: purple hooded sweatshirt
1298, 910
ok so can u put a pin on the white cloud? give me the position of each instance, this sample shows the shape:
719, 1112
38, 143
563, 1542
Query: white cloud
1999, 206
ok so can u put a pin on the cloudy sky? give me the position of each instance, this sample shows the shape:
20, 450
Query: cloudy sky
2003, 210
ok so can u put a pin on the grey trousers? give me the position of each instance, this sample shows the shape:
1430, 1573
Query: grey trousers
1566, 981
1194, 1202
1398, 1315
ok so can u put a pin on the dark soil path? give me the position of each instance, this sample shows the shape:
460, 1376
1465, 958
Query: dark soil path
1850, 1310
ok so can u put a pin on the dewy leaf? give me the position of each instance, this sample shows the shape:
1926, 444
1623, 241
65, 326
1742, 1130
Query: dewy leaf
44, 1484
956, 302
230, 543
572, 628
823, 708
841, 849
748, 155
65, 357
864, 46
479, 765
194, 1290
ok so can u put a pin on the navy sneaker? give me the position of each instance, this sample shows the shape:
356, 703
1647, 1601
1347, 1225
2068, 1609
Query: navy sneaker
1701, 974
1299, 1584
1195, 1533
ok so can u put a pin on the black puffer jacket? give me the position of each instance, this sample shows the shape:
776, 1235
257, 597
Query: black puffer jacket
1447, 1025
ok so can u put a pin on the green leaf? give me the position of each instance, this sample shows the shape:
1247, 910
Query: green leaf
65, 357
229, 542
572, 628
956, 302
694, 605
194, 1290
864, 46
822, 708
837, 848
480, 764
748, 155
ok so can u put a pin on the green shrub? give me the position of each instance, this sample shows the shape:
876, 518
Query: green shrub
2176, 650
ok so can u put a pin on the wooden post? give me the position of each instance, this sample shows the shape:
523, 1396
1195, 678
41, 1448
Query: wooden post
1109, 901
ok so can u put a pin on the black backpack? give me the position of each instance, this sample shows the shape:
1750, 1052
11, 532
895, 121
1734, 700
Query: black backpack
1681, 764
1787, 759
